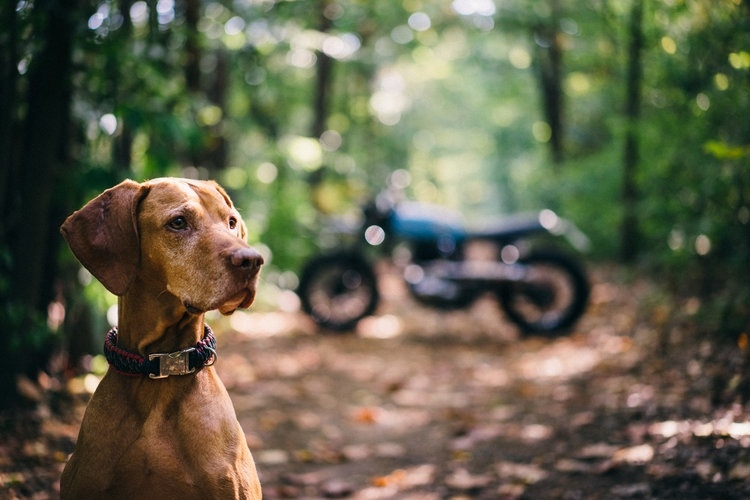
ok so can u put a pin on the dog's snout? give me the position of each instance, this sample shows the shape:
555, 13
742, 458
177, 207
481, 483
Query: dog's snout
246, 258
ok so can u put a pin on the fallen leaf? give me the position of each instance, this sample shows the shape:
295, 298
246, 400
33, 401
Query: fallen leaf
461, 479
337, 488
367, 415
518, 472
391, 479
574, 466
597, 450
640, 454
271, 457
638, 490
740, 471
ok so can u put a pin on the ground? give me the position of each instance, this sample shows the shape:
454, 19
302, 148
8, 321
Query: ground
635, 402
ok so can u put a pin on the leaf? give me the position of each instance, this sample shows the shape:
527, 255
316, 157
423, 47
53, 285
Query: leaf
461, 479
640, 454
519, 472
723, 151
574, 466
408, 478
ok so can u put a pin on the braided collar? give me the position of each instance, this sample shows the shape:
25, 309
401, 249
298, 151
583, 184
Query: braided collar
161, 365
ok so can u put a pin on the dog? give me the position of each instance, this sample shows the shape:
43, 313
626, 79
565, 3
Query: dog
160, 424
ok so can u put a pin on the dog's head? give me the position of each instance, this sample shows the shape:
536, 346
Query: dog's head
179, 236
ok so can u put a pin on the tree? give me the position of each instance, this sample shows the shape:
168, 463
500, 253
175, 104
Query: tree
455, 92
32, 207
549, 66
629, 229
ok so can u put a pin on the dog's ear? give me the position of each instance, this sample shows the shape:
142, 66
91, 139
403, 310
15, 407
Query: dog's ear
103, 235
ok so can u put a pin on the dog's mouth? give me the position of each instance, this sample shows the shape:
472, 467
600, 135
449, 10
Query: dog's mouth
226, 296
238, 299
241, 299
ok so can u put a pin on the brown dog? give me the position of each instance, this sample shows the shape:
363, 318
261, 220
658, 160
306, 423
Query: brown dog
161, 424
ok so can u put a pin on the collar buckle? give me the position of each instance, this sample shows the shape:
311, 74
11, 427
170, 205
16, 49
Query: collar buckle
172, 363
161, 365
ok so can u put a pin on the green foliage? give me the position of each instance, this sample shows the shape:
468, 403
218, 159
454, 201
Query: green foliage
587, 191
447, 90
28, 339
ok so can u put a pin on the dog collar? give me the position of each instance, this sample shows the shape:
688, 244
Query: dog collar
161, 365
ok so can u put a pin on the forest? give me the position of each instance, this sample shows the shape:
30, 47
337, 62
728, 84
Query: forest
627, 117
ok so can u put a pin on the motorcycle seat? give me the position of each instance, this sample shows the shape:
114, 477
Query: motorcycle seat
510, 228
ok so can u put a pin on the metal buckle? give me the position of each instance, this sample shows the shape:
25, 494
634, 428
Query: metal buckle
210, 361
172, 363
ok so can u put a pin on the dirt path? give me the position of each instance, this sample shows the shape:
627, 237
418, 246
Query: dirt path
421, 404
425, 405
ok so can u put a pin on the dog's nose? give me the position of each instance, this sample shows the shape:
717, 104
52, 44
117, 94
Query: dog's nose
246, 258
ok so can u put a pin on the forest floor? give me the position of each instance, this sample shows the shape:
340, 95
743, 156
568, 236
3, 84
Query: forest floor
635, 402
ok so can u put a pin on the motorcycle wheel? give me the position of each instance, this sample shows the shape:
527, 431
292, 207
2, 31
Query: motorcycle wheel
551, 298
338, 290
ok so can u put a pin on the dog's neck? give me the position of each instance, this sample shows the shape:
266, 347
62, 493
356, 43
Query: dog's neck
173, 329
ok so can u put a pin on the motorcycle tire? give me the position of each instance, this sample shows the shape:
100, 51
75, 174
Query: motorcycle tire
337, 290
552, 297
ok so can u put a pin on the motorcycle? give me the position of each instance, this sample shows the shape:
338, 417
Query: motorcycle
541, 288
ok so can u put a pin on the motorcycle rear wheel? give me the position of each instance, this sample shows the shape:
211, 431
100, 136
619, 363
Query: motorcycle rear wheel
553, 296
337, 290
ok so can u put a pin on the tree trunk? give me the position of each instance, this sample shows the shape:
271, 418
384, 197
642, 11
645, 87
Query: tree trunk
44, 151
192, 46
45, 147
8, 100
549, 62
123, 141
629, 237
322, 94
324, 70
217, 153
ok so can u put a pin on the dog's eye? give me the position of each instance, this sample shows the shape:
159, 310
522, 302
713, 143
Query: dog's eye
178, 224
232, 223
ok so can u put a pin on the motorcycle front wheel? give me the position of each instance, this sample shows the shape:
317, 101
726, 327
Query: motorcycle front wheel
337, 290
552, 295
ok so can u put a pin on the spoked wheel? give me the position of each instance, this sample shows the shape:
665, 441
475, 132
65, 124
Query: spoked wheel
338, 290
552, 295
